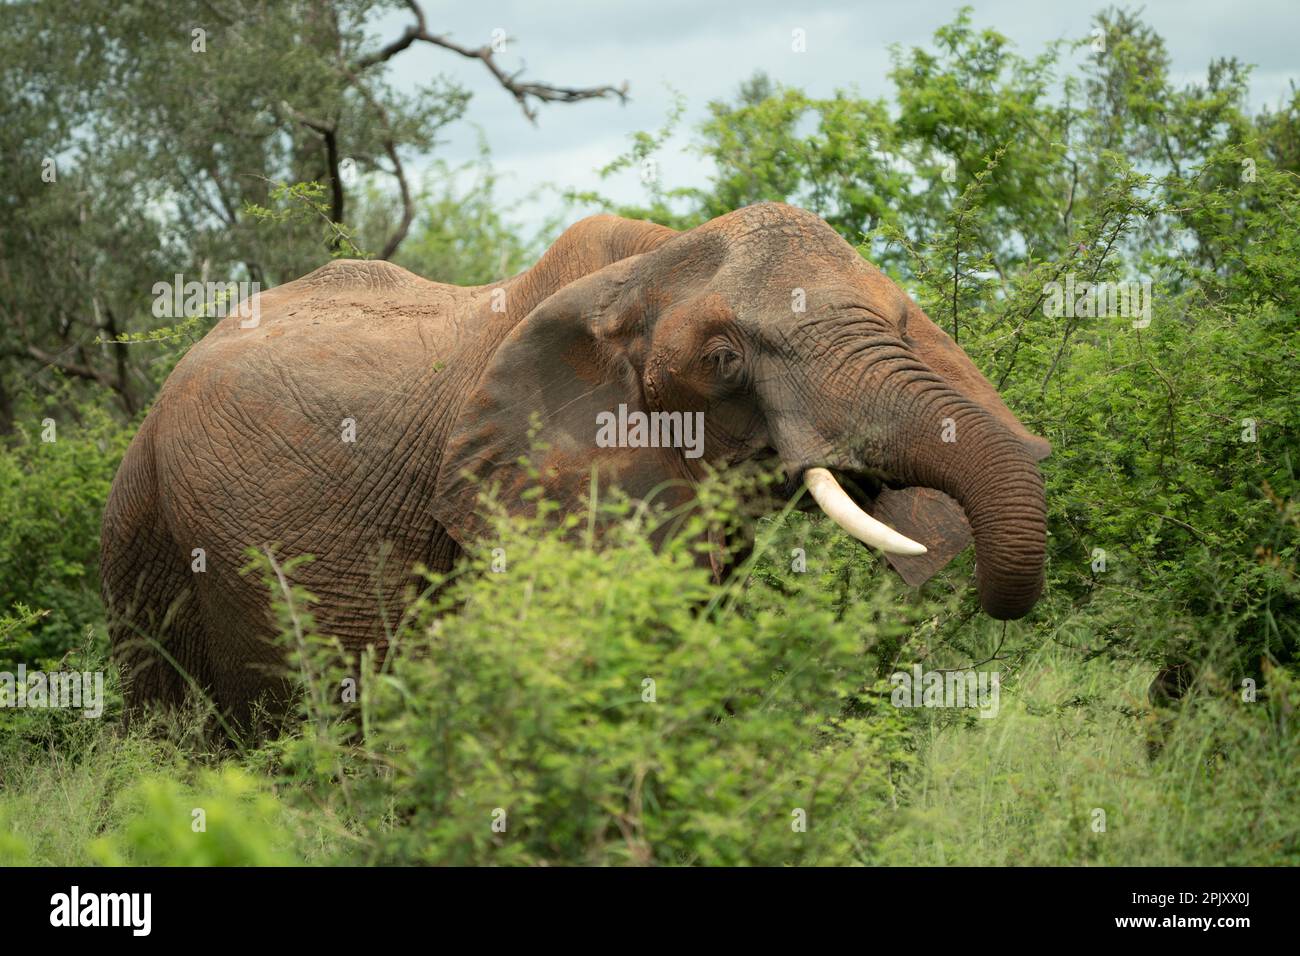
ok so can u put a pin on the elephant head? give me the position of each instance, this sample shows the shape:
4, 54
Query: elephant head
793, 348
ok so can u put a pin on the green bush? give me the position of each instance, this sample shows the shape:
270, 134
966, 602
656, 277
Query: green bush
226, 819
602, 703
529, 707
52, 496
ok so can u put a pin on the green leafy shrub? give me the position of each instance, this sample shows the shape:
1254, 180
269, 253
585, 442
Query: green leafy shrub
769, 710
601, 702
227, 818
52, 497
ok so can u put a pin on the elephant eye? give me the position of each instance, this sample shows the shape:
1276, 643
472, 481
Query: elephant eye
726, 362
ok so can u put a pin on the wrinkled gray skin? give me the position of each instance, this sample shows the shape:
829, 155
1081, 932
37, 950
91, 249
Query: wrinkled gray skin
244, 444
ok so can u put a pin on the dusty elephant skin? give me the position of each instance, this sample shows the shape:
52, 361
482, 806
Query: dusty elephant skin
244, 445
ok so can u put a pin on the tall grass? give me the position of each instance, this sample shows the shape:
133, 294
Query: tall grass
529, 708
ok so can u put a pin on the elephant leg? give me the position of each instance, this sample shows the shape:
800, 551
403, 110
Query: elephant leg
156, 637
155, 625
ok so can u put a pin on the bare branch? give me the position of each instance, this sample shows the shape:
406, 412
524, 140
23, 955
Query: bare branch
75, 369
408, 206
525, 94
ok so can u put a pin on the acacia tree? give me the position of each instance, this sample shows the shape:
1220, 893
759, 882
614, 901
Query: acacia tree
151, 137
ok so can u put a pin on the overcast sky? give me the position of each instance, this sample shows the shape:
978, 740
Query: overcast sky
705, 49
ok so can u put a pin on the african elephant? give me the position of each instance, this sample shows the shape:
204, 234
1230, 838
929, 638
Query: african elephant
794, 348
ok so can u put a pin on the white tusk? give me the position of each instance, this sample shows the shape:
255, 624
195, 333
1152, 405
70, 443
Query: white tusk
839, 507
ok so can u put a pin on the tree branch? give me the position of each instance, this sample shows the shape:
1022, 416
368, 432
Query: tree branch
329, 134
75, 369
524, 93
408, 206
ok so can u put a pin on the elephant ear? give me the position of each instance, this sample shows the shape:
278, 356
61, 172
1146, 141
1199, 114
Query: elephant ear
574, 356
926, 514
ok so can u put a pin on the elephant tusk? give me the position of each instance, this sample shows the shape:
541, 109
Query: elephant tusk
839, 507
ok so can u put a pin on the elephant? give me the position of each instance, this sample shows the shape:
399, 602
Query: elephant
795, 350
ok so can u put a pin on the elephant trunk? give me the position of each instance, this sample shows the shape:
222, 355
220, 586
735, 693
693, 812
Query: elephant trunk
961, 449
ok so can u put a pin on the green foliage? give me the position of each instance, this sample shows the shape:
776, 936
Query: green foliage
171, 136
530, 707
299, 204
461, 234
629, 720
1074, 738
52, 495
225, 819
641, 155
